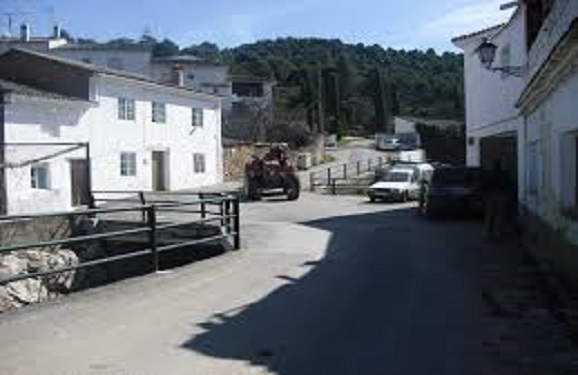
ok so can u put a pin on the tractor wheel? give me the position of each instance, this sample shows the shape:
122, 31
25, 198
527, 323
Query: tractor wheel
292, 189
253, 193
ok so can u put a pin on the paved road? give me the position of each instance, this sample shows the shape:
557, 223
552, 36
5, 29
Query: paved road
327, 285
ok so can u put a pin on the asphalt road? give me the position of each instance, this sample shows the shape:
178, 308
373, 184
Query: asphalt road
326, 285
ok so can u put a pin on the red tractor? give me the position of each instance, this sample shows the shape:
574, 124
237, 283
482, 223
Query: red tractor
271, 174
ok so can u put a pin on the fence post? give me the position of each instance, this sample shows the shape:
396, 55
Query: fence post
345, 171
222, 212
151, 213
333, 187
369, 165
237, 221
329, 176
227, 203
312, 181
358, 167
203, 206
141, 197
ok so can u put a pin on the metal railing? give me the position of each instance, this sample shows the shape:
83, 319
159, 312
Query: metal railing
345, 171
227, 217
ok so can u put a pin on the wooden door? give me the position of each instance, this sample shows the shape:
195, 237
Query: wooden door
159, 172
79, 182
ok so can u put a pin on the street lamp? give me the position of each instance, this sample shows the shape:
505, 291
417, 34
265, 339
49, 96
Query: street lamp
487, 54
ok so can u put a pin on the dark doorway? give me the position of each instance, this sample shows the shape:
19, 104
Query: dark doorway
504, 149
159, 171
79, 182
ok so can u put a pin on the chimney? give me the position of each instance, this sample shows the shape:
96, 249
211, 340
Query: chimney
178, 76
57, 32
25, 32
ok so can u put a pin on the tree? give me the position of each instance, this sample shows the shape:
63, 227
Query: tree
165, 48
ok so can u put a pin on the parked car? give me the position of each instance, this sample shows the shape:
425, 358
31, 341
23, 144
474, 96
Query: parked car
397, 184
453, 190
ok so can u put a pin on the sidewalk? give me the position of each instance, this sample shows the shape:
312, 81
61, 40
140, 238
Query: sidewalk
521, 336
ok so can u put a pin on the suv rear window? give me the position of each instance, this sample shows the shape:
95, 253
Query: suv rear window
455, 177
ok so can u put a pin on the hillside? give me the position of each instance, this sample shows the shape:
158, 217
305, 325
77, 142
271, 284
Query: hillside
421, 83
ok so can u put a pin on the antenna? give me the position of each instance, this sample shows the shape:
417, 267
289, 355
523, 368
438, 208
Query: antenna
10, 17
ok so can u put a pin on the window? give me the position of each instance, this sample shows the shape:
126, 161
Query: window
115, 63
128, 164
197, 119
40, 176
159, 112
126, 109
199, 163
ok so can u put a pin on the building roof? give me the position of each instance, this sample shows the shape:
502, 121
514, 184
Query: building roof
104, 46
185, 59
103, 70
16, 88
489, 30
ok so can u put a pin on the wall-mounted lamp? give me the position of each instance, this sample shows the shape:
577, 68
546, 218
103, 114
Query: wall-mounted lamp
487, 54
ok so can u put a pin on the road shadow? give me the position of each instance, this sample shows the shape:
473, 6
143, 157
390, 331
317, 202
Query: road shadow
394, 294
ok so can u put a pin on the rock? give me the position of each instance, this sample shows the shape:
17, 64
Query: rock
6, 300
28, 291
12, 265
37, 260
65, 281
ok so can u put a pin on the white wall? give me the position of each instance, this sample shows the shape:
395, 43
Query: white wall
40, 120
111, 136
132, 61
201, 77
554, 124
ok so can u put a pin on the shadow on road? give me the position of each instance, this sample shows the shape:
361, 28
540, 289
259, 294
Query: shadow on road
394, 294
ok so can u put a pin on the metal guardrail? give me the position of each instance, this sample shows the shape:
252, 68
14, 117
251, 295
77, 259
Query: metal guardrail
227, 217
343, 171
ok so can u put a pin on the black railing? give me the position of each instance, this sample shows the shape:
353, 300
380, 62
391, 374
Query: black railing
345, 171
226, 218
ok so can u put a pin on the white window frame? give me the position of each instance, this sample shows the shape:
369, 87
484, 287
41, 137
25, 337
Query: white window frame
126, 109
159, 112
197, 117
128, 167
199, 163
36, 181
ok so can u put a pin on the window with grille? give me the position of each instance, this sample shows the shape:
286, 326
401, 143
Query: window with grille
128, 164
40, 176
159, 112
197, 119
126, 109
199, 163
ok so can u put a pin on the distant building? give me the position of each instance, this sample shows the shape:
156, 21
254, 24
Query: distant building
143, 135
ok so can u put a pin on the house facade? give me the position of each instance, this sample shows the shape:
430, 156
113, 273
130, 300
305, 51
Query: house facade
141, 135
538, 111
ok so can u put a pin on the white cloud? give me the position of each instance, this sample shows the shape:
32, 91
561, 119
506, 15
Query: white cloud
467, 18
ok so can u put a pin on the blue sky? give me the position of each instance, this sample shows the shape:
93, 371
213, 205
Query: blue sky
392, 23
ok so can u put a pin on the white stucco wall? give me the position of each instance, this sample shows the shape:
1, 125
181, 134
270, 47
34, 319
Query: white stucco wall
40, 120
202, 77
491, 96
132, 61
554, 124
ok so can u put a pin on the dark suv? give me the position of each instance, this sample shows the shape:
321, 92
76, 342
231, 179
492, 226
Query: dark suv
453, 190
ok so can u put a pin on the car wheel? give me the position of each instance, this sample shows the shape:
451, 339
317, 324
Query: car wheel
372, 199
405, 197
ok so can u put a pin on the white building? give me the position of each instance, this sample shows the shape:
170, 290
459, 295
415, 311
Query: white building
142, 135
538, 112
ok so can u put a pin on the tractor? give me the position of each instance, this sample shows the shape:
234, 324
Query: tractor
271, 173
